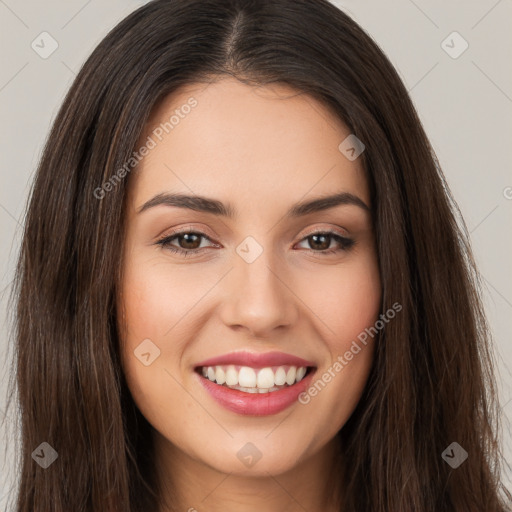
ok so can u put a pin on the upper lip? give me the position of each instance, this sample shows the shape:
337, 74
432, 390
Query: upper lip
256, 360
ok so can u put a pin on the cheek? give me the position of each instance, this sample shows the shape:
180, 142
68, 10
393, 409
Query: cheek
347, 301
153, 304
151, 307
156, 299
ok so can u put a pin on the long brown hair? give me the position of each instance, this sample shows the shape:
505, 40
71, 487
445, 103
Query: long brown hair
432, 382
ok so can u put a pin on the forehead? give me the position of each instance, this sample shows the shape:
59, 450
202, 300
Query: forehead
254, 143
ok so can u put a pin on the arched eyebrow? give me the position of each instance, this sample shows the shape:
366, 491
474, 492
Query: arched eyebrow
216, 207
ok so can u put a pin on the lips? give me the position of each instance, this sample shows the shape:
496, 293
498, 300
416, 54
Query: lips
255, 360
257, 399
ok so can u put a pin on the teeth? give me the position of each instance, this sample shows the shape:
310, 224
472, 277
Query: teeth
247, 377
256, 390
253, 380
280, 376
231, 376
290, 376
220, 375
265, 378
300, 373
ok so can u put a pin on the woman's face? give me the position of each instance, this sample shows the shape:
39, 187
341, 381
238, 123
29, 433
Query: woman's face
251, 284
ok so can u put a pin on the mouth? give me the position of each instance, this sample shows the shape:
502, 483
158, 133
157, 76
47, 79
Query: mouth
254, 391
255, 380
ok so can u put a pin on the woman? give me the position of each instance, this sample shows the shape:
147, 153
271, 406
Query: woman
242, 285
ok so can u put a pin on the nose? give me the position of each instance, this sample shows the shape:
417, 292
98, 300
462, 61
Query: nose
258, 298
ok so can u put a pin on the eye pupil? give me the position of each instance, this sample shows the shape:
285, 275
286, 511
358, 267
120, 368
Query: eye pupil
188, 237
323, 245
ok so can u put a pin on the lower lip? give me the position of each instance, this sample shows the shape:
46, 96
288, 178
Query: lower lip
256, 404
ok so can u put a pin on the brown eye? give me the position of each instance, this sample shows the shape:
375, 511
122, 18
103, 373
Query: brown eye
321, 241
188, 242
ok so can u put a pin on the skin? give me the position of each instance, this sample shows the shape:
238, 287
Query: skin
261, 149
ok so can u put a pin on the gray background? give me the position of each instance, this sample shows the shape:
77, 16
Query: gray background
465, 104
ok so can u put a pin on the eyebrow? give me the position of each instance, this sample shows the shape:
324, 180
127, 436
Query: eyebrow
215, 207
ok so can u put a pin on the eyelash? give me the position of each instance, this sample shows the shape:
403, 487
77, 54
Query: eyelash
345, 243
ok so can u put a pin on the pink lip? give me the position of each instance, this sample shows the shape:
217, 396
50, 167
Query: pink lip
255, 360
256, 404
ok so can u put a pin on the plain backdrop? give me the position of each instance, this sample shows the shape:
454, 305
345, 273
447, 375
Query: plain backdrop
463, 96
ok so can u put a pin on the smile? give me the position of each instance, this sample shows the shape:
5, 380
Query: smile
255, 384
254, 380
